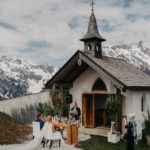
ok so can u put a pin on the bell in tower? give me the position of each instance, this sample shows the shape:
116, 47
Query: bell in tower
93, 40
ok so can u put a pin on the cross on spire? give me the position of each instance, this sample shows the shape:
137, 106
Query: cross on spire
92, 4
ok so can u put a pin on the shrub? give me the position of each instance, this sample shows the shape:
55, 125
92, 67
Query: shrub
146, 123
147, 127
56, 101
59, 107
112, 108
45, 109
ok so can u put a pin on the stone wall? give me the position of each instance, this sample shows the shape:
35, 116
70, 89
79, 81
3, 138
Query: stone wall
24, 108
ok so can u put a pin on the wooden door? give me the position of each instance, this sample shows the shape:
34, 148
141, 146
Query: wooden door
122, 112
84, 110
88, 114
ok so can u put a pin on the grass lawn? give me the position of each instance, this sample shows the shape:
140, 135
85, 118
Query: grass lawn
100, 143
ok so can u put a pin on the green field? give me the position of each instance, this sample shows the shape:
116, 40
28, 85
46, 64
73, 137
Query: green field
100, 143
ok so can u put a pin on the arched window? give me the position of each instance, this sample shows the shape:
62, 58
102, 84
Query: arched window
143, 103
89, 47
97, 47
99, 85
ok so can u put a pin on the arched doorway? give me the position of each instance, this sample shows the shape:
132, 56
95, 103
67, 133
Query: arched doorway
93, 105
99, 89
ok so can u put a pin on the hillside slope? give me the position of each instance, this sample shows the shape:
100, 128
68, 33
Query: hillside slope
12, 132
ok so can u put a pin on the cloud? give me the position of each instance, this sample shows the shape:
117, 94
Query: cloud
49, 30
7, 26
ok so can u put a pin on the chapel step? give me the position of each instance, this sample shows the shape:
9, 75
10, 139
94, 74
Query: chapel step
94, 131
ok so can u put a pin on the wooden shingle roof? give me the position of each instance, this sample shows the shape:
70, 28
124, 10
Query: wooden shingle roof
122, 74
92, 31
123, 71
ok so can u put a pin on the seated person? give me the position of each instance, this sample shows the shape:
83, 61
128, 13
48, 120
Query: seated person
51, 133
49, 121
40, 120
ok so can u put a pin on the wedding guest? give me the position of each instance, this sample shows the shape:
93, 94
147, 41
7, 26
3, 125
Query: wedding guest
40, 120
75, 113
49, 121
131, 132
51, 133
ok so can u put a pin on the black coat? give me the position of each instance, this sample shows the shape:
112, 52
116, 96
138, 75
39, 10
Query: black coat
129, 137
76, 116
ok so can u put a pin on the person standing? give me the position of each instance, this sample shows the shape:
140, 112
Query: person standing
131, 132
75, 113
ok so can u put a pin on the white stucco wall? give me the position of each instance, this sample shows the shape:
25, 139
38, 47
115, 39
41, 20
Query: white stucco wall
133, 105
128, 102
18, 107
84, 84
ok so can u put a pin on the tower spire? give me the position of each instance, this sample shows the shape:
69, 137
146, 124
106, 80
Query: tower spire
92, 31
92, 39
92, 4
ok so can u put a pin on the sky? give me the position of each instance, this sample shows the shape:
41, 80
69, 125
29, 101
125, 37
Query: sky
48, 31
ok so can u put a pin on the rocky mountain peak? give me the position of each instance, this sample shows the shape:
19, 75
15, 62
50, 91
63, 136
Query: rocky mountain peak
137, 54
20, 77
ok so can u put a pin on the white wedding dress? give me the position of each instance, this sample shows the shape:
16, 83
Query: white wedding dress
33, 145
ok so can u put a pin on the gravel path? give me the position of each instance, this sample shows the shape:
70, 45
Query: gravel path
55, 147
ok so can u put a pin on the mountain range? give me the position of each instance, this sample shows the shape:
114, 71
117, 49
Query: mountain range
137, 54
19, 77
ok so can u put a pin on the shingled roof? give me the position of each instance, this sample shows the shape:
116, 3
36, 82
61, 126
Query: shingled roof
122, 74
128, 74
92, 31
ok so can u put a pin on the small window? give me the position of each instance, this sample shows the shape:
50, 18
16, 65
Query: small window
89, 47
143, 104
97, 47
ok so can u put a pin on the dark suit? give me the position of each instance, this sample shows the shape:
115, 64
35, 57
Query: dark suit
41, 123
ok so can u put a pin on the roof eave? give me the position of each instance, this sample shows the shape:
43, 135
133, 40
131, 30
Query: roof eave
91, 38
80, 54
50, 83
138, 87
119, 84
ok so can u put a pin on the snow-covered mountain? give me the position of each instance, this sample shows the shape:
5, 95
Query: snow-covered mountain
19, 77
137, 54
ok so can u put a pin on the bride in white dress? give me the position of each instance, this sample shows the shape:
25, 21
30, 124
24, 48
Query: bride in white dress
51, 133
33, 145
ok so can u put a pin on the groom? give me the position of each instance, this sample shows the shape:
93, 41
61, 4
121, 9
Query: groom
40, 120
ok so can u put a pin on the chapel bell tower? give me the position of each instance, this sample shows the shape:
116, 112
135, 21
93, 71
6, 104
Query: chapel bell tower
93, 40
